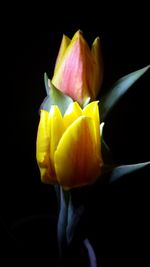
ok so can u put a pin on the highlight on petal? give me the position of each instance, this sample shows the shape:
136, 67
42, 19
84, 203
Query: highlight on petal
42, 148
56, 130
72, 113
77, 160
64, 44
98, 66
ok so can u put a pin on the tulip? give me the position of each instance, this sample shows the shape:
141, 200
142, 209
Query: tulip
78, 70
68, 148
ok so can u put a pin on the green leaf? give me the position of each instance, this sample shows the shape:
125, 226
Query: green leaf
120, 171
47, 88
118, 90
54, 97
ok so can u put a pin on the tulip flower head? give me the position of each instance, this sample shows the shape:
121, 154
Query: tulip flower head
78, 71
68, 147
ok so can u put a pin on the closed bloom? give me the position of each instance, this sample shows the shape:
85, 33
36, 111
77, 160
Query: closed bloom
68, 148
79, 69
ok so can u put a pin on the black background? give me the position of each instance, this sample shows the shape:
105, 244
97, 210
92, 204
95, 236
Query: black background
30, 40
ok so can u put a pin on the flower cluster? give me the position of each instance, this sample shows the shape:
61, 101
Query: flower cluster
68, 146
71, 150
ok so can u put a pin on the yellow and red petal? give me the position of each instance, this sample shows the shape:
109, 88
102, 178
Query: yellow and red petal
72, 113
92, 111
77, 160
42, 148
97, 67
74, 75
64, 44
56, 129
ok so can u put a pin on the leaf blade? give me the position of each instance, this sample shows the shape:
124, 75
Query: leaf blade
54, 97
123, 170
106, 152
118, 90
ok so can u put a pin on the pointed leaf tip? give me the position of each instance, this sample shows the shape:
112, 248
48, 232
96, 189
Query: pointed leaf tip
46, 83
120, 171
118, 90
54, 97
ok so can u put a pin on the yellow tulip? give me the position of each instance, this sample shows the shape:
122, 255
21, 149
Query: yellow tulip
68, 148
79, 71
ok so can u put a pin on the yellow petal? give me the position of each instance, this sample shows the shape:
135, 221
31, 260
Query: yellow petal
64, 44
98, 66
77, 159
72, 113
42, 148
56, 131
92, 111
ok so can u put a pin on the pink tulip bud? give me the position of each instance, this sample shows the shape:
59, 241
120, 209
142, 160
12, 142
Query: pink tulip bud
79, 70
